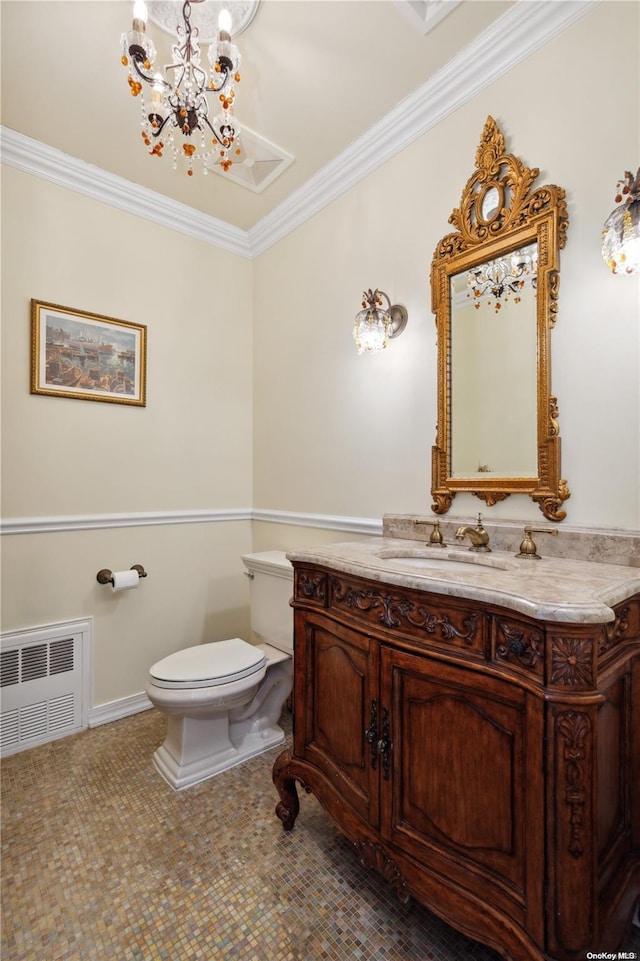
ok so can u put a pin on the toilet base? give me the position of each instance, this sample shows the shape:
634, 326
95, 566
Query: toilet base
185, 758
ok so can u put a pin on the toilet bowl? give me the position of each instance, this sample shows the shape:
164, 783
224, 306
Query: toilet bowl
223, 700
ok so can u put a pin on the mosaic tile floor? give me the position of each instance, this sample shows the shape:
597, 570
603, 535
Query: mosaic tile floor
101, 861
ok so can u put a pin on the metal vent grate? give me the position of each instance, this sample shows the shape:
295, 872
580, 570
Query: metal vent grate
9, 668
61, 656
42, 679
38, 660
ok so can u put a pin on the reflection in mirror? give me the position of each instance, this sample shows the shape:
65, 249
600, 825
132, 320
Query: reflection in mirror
494, 289
493, 420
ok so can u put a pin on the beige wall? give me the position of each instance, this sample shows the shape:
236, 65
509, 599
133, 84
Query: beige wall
189, 449
261, 354
339, 433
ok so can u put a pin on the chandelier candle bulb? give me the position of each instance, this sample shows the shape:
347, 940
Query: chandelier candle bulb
224, 21
140, 16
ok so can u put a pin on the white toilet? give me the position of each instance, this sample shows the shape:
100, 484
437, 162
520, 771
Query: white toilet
223, 700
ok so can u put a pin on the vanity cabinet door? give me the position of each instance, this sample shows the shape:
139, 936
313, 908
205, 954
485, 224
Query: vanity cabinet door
338, 669
460, 797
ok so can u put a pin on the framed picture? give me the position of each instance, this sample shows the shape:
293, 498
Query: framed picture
87, 356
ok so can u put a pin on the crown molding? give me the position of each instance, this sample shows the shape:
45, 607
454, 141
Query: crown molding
523, 29
32, 157
518, 33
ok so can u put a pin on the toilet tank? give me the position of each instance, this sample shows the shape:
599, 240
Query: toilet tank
271, 589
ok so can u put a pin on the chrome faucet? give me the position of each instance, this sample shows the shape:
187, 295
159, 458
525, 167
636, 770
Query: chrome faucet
477, 535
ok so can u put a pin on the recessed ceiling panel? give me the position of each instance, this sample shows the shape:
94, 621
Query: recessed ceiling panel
257, 165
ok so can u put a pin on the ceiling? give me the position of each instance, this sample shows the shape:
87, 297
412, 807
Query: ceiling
316, 76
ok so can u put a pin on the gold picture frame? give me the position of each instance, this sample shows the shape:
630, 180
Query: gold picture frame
87, 356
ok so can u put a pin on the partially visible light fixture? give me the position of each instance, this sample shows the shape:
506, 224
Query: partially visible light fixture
376, 324
621, 231
504, 278
177, 114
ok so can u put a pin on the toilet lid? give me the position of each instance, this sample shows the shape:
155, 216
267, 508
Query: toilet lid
207, 665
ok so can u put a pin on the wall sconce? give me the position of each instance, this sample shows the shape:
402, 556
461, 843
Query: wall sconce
376, 324
621, 231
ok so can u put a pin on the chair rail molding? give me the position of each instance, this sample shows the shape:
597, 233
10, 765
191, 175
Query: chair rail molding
88, 522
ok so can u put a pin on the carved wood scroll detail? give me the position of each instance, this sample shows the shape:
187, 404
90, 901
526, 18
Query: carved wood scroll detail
311, 586
490, 497
373, 856
575, 730
393, 610
615, 631
525, 646
571, 661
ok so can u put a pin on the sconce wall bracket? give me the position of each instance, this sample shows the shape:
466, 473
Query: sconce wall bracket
399, 317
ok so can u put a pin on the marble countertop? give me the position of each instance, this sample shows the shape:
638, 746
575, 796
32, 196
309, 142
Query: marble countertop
556, 589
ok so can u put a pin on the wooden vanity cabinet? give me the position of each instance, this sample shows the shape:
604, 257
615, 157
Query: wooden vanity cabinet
485, 763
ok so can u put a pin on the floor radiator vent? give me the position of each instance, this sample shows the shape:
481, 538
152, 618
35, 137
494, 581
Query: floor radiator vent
44, 683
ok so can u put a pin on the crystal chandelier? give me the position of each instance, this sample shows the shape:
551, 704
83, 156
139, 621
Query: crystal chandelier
499, 280
176, 114
376, 324
621, 231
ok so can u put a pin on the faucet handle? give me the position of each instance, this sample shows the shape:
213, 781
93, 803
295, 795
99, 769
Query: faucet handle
528, 547
436, 534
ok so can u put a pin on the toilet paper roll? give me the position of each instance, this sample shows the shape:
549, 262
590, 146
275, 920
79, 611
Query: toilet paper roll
125, 580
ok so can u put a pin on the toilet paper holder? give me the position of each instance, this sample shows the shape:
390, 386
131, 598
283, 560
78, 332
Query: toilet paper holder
105, 576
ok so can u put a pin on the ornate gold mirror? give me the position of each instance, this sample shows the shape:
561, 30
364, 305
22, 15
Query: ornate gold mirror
494, 291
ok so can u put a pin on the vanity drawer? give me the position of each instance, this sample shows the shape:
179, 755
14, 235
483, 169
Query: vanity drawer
405, 614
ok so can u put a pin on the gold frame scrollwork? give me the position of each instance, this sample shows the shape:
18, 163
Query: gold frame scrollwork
521, 216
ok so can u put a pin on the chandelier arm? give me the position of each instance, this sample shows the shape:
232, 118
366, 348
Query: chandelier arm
137, 61
381, 293
224, 74
215, 132
155, 132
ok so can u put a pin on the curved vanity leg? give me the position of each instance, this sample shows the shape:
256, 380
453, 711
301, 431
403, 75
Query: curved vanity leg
288, 807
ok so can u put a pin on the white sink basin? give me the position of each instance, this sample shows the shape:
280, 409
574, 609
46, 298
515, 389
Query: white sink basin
442, 563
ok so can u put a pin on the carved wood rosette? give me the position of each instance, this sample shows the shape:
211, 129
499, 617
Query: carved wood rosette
521, 214
572, 661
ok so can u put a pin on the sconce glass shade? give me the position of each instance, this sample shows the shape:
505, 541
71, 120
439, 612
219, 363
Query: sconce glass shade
376, 324
621, 231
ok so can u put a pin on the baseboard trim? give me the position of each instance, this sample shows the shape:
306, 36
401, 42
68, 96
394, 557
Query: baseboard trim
116, 710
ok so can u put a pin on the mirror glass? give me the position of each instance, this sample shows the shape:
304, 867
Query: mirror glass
494, 289
494, 417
